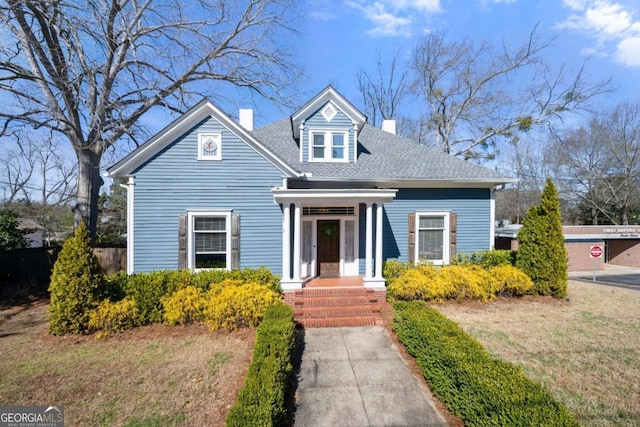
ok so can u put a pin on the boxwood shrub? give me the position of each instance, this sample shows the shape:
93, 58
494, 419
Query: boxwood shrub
480, 389
261, 401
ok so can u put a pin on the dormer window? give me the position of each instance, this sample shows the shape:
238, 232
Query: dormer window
329, 146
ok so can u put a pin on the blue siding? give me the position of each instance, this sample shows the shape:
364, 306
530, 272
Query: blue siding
174, 181
473, 207
339, 122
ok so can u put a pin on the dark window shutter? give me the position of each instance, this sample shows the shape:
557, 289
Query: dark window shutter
453, 235
182, 242
235, 241
412, 238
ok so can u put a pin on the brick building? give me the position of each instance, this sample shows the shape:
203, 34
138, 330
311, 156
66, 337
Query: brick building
621, 244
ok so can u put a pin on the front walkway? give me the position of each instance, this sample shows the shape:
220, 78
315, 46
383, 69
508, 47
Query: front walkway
356, 377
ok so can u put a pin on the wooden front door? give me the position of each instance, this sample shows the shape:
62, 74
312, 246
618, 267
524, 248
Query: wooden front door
328, 248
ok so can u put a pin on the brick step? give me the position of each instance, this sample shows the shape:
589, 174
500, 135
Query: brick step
337, 322
334, 301
319, 292
339, 311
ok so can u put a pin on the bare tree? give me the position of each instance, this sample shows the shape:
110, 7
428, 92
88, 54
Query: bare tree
36, 169
600, 164
527, 161
90, 69
383, 92
478, 94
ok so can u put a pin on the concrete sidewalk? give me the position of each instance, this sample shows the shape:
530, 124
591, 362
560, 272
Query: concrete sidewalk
356, 377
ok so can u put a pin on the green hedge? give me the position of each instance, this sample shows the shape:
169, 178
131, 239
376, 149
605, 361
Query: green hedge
481, 390
261, 402
486, 259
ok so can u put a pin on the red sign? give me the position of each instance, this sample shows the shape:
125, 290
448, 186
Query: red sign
596, 251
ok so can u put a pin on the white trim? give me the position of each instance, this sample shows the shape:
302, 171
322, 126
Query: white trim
202, 138
191, 214
379, 245
368, 243
333, 196
356, 238
297, 237
130, 186
492, 219
328, 145
445, 240
179, 127
286, 242
328, 94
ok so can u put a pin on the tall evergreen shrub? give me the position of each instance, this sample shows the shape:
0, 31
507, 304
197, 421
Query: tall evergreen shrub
541, 251
75, 284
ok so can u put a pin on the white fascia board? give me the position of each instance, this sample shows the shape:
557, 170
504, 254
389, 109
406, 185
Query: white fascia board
308, 196
178, 127
328, 94
425, 183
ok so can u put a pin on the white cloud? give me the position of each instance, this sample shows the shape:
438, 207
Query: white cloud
612, 26
628, 52
393, 17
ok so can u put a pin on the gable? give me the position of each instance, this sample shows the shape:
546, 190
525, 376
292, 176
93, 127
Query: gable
185, 125
328, 137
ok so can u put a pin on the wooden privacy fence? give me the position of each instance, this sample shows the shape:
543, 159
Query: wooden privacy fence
34, 265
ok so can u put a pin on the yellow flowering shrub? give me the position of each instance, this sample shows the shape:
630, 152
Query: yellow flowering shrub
511, 280
114, 316
420, 283
233, 307
467, 282
184, 306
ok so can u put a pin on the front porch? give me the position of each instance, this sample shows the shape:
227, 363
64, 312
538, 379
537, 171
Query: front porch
321, 231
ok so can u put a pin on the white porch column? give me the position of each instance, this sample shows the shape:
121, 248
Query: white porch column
368, 244
296, 242
286, 242
378, 275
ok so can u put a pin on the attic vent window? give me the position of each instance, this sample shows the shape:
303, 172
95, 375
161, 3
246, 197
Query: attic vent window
329, 112
329, 210
209, 146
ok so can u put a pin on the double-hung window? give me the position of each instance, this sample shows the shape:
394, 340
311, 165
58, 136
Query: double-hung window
329, 145
432, 237
337, 146
318, 146
209, 240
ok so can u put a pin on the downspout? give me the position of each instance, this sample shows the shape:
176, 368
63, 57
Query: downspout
130, 237
492, 219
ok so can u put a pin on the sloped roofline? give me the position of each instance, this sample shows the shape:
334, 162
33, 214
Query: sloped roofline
127, 165
326, 95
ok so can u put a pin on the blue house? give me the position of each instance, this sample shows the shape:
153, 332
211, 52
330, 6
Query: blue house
320, 193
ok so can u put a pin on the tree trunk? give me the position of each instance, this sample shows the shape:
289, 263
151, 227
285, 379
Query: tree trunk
89, 183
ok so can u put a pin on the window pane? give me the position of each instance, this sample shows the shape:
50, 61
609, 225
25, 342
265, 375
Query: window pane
306, 241
430, 244
349, 236
431, 222
337, 153
318, 146
211, 261
211, 242
338, 140
209, 224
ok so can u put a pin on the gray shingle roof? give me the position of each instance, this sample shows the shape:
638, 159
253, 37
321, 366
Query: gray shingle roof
381, 156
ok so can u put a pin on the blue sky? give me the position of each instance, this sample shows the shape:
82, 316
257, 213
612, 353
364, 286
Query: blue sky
339, 37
